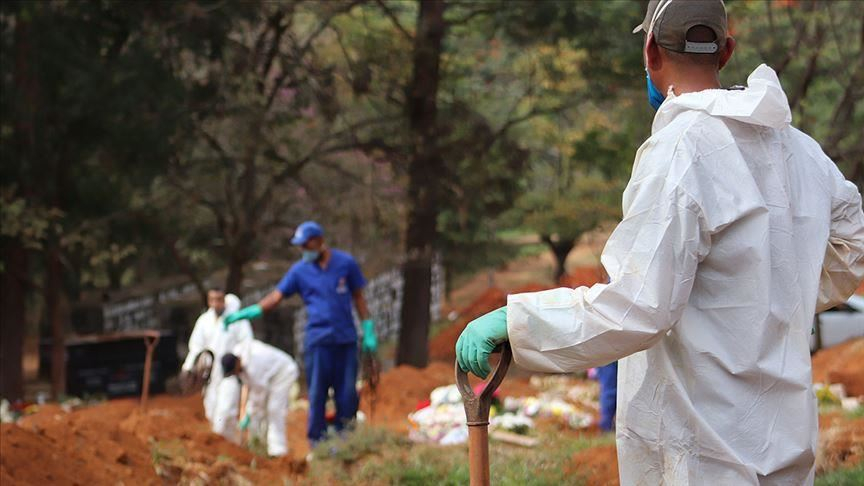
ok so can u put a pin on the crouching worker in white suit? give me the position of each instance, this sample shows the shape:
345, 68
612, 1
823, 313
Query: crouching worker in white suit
221, 396
270, 374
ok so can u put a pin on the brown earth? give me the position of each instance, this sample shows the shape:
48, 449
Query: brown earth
442, 346
844, 364
171, 441
597, 465
841, 445
841, 442
116, 442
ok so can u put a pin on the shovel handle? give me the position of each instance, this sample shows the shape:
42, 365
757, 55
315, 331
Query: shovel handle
477, 407
477, 415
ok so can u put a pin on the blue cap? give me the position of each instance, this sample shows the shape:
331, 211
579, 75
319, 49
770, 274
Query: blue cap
306, 231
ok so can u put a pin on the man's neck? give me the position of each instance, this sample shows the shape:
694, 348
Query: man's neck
694, 81
324, 259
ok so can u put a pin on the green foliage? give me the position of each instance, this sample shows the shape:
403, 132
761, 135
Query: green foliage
143, 138
577, 209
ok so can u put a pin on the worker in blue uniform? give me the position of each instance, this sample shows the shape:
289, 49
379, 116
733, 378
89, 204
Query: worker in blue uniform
329, 281
607, 376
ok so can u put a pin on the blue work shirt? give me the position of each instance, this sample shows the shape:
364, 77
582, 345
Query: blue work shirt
327, 294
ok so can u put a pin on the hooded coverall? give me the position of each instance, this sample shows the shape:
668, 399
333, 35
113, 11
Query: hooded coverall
221, 396
270, 374
737, 228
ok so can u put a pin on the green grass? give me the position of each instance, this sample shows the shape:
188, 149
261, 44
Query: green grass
857, 413
843, 477
376, 456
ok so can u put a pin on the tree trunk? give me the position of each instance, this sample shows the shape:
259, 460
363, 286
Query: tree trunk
561, 249
54, 311
423, 191
12, 321
236, 261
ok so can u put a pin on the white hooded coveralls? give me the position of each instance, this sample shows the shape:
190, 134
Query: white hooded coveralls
737, 228
270, 374
221, 396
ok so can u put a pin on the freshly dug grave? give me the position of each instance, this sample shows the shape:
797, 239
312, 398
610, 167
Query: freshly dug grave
117, 442
844, 364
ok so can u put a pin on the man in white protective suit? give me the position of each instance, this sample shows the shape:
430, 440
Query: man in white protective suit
221, 395
737, 228
270, 374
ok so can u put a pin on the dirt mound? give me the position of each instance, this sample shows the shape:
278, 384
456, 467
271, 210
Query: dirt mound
841, 442
598, 466
844, 364
117, 441
443, 345
583, 277
402, 389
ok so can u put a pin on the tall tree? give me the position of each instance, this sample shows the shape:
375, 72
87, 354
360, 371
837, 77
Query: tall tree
424, 192
79, 118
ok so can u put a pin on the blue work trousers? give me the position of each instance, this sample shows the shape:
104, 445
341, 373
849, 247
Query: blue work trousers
608, 378
330, 366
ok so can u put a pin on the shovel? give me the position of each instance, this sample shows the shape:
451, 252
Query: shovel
477, 414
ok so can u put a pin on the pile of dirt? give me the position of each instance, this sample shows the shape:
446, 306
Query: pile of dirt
598, 466
443, 345
841, 442
844, 364
401, 389
583, 277
841, 445
117, 441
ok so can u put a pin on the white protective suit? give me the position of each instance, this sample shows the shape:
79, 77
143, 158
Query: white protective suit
221, 396
270, 374
737, 228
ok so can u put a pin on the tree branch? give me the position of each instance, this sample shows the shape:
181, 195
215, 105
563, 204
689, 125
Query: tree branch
394, 19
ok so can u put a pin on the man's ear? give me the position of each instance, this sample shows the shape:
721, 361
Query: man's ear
727, 52
653, 59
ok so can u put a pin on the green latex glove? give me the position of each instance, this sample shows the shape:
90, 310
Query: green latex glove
248, 313
370, 339
244, 422
479, 339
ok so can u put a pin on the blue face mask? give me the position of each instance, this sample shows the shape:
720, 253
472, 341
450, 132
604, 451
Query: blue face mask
655, 97
310, 255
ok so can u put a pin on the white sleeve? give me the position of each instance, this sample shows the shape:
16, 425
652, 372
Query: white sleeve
651, 258
196, 344
243, 331
843, 266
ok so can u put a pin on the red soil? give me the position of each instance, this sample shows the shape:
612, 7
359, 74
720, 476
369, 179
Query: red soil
841, 445
116, 441
844, 364
841, 442
598, 466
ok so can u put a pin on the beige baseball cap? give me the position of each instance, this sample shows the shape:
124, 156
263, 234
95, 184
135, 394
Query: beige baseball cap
670, 20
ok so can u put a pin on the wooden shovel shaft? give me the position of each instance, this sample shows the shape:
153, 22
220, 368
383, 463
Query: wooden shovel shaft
151, 339
477, 416
478, 454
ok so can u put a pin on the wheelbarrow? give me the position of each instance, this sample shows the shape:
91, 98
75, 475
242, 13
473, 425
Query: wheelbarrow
477, 415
